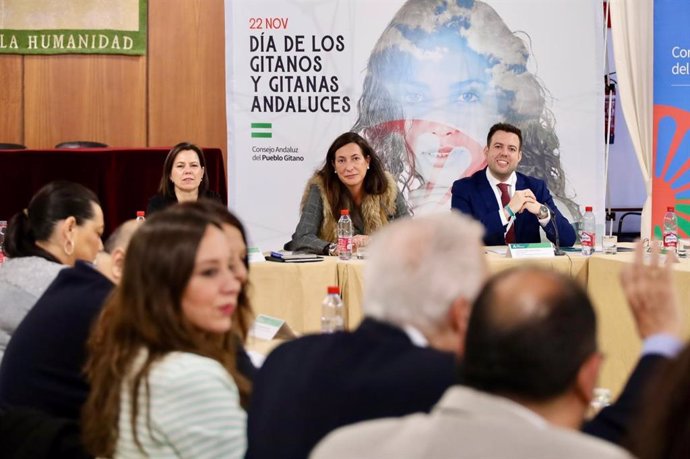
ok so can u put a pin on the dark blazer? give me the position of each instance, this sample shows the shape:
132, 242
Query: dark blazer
159, 202
313, 385
42, 366
613, 422
473, 195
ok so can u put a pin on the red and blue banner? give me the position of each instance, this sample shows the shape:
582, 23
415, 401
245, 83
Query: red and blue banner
671, 168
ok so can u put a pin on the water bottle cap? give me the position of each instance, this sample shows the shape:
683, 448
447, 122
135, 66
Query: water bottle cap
345, 212
670, 209
140, 213
333, 289
588, 208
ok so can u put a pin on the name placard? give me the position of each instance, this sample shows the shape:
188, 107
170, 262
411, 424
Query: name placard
255, 256
267, 328
534, 250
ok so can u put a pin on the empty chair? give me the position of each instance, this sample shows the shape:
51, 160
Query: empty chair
628, 236
12, 146
80, 144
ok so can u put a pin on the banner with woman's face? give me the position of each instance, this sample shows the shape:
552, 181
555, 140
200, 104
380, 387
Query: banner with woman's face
425, 86
437, 77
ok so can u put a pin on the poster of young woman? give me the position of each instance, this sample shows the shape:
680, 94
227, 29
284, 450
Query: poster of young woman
422, 81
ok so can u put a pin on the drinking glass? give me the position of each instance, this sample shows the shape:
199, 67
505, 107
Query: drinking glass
610, 244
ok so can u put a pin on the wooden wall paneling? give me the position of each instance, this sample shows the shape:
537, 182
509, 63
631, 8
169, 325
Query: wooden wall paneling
187, 73
85, 97
11, 99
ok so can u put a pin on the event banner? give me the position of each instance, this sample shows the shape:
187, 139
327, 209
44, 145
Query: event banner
671, 179
73, 27
422, 81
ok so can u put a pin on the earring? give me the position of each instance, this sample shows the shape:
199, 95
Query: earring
335, 172
68, 247
367, 167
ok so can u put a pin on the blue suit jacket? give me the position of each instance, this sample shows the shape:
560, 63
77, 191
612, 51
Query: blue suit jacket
43, 364
473, 196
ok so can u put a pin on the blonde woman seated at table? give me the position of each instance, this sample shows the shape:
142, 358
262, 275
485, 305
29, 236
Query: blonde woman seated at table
184, 178
161, 367
62, 224
352, 178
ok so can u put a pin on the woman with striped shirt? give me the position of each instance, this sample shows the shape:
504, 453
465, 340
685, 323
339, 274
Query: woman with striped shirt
162, 366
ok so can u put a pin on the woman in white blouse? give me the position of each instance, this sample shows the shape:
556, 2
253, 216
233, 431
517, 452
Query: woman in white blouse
162, 366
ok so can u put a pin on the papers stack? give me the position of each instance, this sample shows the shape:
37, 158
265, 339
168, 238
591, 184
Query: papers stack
285, 256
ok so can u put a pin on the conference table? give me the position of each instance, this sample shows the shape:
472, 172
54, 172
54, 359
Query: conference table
351, 282
294, 291
122, 178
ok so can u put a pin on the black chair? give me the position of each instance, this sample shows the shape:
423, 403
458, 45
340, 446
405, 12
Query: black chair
628, 236
12, 146
80, 144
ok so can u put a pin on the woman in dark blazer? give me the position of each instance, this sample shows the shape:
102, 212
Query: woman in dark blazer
184, 178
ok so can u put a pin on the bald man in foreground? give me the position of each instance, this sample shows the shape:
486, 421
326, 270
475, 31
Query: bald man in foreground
530, 366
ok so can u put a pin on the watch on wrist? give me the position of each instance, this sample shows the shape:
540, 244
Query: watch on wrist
332, 248
543, 212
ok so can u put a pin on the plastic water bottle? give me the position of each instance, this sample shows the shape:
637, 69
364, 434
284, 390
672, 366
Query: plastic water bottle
141, 216
670, 233
588, 236
332, 318
345, 234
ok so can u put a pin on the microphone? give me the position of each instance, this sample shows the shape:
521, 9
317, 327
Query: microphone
557, 249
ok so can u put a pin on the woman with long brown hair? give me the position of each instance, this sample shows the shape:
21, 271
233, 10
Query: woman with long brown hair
236, 234
162, 363
439, 76
352, 178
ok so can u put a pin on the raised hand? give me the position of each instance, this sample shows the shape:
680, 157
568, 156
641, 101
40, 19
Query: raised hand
651, 294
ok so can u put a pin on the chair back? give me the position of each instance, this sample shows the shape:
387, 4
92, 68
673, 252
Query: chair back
81, 144
12, 146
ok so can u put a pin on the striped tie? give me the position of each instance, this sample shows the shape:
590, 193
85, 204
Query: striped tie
505, 199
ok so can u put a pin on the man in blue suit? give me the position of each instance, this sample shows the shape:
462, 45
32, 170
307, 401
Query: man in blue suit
511, 206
